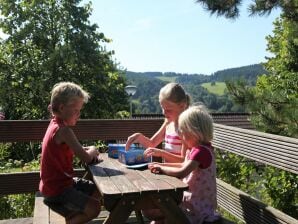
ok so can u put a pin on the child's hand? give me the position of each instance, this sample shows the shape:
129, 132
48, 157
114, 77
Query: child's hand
131, 139
186, 158
155, 168
154, 163
152, 152
94, 154
98, 159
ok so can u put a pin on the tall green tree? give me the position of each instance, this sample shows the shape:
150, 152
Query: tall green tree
274, 100
51, 41
230, 8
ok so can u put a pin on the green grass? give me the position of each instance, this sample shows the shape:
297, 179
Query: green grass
218, 88
166, 78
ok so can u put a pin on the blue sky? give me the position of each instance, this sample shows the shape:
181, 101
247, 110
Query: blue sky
180, 36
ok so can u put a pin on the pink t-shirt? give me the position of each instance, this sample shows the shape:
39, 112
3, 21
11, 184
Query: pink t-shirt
56, 171
201, 155
199, 202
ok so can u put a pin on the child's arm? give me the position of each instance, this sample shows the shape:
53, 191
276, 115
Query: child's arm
67, 136
179, 172
170, 157
145, 141
151, 165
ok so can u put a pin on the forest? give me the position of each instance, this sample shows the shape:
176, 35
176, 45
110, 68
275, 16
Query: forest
149, 83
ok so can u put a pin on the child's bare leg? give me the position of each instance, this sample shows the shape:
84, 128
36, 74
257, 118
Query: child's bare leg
91, 211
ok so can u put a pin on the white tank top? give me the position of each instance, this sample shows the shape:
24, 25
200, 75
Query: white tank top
173, 143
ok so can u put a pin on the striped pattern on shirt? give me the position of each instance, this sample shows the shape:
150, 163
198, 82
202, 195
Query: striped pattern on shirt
173, 143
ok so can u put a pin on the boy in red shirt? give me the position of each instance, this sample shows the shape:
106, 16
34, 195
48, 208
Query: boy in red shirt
74, 198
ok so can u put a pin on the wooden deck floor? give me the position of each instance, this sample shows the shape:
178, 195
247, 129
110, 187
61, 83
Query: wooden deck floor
103, 214
17, 221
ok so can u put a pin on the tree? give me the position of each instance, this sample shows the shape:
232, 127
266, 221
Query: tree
230, 8
51, 41
274, 99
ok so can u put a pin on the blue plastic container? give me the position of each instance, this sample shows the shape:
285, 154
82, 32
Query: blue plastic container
113, 150
132, 156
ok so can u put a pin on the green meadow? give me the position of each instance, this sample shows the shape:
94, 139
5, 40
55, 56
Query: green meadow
167, 78
218, 88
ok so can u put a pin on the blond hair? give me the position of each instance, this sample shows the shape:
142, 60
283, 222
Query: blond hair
175, 93
197, 121
64, 92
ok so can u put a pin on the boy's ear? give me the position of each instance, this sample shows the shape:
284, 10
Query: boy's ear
61, 107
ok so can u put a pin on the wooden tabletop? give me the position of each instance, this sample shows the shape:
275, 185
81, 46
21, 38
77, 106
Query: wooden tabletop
124, 190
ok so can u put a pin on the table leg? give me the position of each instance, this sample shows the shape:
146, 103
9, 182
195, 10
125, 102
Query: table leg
121, 211
170, 209
139, 216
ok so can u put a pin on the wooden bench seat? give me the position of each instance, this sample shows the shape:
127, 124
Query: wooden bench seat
248, 209
274, 150
277, 151
44, 215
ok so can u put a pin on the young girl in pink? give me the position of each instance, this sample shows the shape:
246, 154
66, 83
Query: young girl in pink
198, 170
173, 101
76, 199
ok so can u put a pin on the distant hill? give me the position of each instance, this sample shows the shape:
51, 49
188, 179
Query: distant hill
248, 73
209, 89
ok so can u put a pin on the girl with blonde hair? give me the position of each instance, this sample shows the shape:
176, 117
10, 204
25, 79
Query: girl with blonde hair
198, 170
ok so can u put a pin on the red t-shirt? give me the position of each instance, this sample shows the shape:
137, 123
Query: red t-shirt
56, 171
202, 155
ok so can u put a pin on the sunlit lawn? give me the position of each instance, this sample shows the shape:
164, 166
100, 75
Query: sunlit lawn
167, 78
218, 88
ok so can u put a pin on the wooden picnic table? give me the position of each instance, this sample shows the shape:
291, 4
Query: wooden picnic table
125, 190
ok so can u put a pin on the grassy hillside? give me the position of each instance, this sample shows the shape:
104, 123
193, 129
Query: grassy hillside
217, 89
167, 78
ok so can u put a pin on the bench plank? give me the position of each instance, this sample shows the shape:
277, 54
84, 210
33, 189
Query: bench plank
274, 150
55, 218
247, 208
41, 211
87, 129
24, 182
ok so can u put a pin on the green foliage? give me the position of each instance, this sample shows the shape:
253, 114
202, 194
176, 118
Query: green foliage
4, 150
122, 114
49, 42
19, 156
273, 102
230, 9
270, 185
237, 170
16, 206
281, 187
